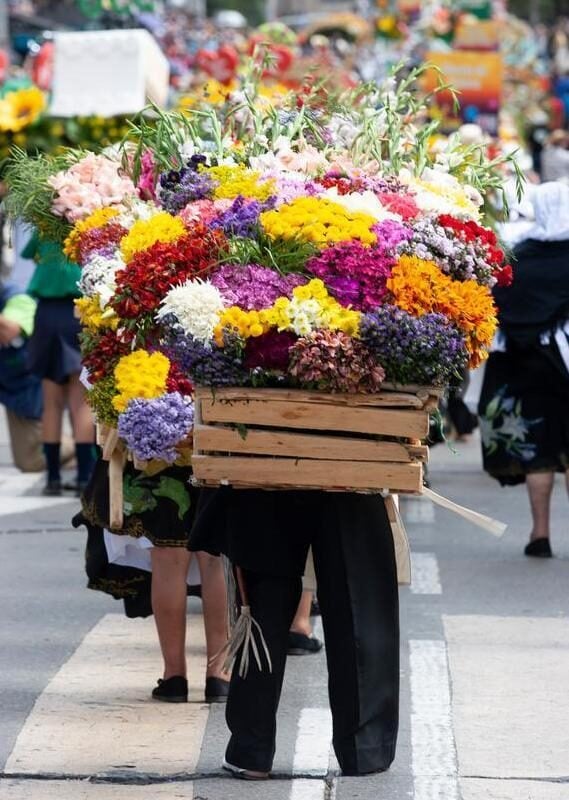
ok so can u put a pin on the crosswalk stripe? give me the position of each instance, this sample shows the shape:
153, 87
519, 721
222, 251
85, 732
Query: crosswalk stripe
22, 505
95, 717
434, 760
312, 749
308, 789
425, 572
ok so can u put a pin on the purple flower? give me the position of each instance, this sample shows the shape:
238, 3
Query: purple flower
253, 287
209, 366
153, 428
177, 188
242, 218
425, 350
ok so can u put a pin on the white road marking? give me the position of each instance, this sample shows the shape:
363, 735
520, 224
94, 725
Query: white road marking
312, 749
18, 483
307, 789
425, 572
417, 510
84, 790
96, 716
21, 505
434, 760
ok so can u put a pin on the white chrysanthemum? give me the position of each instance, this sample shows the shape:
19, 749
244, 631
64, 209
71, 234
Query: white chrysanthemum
98, 276
195, 305
361, 203
136, 210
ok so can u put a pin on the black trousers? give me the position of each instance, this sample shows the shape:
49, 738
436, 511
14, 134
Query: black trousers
357, 591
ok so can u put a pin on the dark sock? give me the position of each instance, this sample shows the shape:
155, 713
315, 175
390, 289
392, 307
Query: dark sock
51, 452
85, 455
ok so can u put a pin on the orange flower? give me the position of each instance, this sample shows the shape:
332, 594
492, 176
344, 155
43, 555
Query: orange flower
419, 287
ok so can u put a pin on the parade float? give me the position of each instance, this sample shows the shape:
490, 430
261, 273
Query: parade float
279, 295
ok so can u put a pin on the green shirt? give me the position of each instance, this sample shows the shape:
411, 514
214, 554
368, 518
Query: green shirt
55, 276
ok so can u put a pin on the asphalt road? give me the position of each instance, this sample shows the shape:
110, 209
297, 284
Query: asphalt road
485, 660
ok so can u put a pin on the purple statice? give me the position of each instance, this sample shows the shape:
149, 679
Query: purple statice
290, 185
177, 188
209, 366
253, 287
390, 234
426, 350
242, 217
458, 258
152, 429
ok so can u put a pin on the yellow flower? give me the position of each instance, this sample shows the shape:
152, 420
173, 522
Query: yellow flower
239, 180
140, 375
318, 220
21, 108
92, 316
97, 219
162, 227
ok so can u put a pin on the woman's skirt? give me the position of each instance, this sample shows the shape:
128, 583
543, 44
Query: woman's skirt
53, 350
524, 413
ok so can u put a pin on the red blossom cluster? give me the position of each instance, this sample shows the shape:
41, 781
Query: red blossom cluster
177, 381
142, 285
470, 231
98, 240
102, 352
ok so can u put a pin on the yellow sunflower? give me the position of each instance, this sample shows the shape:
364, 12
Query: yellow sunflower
20, 108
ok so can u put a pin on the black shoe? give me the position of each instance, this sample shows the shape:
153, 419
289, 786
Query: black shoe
539, 548
299, 644
172, 690
216, 690
52, 489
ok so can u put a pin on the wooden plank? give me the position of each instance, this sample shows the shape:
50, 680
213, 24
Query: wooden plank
277, 414
280, 472
381, 399
208, 438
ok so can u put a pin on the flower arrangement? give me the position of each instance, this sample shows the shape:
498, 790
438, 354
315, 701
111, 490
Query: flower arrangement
315, 245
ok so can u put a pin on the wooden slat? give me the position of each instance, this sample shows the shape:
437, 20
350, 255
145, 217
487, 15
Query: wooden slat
208, 438
281, 472
277, 414
400, 399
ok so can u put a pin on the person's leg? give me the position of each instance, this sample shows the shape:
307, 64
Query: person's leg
214, 599
253, 700
83, 430
540, 487
301, 622
25, 442
357, 590
54, 400
169, 572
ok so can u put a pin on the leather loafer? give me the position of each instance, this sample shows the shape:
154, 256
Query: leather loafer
539, 548
216, 690
171, 690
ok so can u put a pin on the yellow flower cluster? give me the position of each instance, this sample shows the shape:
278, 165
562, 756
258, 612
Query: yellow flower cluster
244, 323
97, 219
318, 220
239, 180
310, 308
92, 316
419, 287
162, 227
20, 108
140, 375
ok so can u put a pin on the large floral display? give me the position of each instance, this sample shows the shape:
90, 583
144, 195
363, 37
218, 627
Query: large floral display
317, 247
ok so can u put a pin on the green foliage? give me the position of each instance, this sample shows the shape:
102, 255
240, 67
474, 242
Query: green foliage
284, 255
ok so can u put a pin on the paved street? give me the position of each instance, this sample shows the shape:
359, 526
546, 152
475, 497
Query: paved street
485, 660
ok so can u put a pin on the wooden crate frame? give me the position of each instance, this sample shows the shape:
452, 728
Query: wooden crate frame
284, 438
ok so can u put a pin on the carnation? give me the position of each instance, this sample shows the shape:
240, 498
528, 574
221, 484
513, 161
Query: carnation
426, 350
93, 182
152, 429
195, 307
333, 361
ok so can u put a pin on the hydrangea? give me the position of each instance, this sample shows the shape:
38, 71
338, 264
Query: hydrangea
152, 429
425, 350
253, 287
195, 307
333, 361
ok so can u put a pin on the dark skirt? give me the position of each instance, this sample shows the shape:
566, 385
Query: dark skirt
271, 531
53, 351
160, 507
524, 413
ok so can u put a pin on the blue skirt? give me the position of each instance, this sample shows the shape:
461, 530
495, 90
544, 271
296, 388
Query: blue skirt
54, 345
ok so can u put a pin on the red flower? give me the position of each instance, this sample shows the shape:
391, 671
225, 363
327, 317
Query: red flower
504, 276
150, 274
269, 351
177, 381
101, 353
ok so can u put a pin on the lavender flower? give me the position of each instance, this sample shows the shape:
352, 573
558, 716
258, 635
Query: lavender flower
209, 366
153, 428
242, 218
177, 188
253, 287
425, 350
